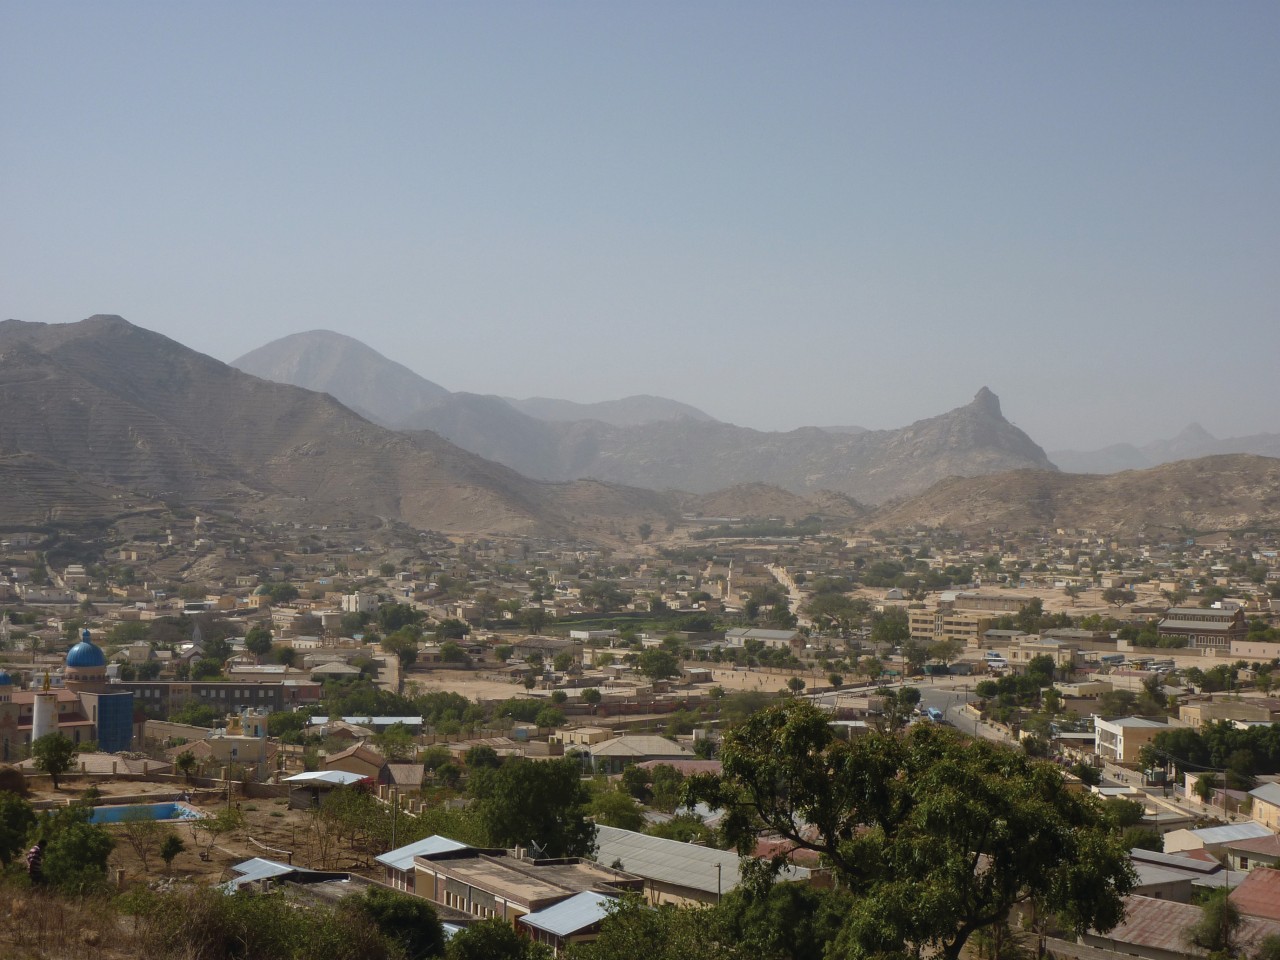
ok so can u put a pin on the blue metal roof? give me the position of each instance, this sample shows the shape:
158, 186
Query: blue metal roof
401, 858
567, 917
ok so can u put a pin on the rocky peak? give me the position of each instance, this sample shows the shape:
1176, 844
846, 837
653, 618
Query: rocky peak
984, 401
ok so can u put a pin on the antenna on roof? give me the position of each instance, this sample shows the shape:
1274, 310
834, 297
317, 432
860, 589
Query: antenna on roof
539, 851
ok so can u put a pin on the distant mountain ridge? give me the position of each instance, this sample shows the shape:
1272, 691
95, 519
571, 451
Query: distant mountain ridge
1192, 442
377, 388
698, 454
627, 412
1227, 492
100, 415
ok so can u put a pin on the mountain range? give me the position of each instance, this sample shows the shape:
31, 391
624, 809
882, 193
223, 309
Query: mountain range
101, 418
655, 443
101, 415
1192, 442
1228, 492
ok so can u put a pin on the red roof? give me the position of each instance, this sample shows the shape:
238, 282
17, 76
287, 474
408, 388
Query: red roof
1259, 894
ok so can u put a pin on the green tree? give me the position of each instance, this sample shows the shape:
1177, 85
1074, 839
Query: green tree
526, 802
403, 644
591, 696
616, 808
394, 616
891, 627
53, 754
494, 940
634, 929
170, 847
395, 743
194, 713
795, 685
17, 817
452, 629
1118, 596
905, 821
482, 758
658, 664
409, 922
186, 763
258, 642
1219, 924
75, 858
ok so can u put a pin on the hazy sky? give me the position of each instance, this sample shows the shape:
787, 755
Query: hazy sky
783, 213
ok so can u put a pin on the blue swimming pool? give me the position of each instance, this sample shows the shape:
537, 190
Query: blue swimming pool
145, 811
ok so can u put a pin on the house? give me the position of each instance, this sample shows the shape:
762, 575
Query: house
676, 872
305, 789
772, 639
1172, 876
357, 759
1156, 930
397, 864
613, 756
1266, 805
1196, 713
1259, 894
1204, 628
262, 874
1120, 740
576, 920
1246, 855
503, 885
1212, 839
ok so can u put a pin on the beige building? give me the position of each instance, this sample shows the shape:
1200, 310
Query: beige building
1260, 710
495, 884
944, 623
1120, 740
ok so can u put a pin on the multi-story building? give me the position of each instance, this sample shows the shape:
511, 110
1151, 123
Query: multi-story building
945, 623
160, 697
1204, 628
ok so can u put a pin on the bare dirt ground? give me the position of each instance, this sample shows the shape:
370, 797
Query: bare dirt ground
472, 684
268, 823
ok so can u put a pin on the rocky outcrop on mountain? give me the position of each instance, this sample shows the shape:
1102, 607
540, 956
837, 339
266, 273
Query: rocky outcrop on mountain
1192, 442
701, 457
1229, 492
680, 448
116, 410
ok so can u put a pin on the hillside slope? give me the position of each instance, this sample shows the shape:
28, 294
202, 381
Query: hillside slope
1228, 492
122, 409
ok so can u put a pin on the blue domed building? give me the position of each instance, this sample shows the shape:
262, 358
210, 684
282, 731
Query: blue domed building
84, 709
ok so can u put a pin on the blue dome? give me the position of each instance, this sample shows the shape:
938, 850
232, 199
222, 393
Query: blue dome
85, 654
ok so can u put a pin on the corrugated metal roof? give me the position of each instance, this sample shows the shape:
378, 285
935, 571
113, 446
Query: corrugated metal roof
639, 746
1267, 793
1232, 831
339, 777
670, 861
401, 858
1175, 861
567, 917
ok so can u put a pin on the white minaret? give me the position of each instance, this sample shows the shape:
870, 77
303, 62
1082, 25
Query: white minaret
44, 715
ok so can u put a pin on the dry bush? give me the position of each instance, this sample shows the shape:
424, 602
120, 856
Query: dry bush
12, 780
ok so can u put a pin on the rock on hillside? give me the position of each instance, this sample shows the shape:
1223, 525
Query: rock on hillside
1229, 492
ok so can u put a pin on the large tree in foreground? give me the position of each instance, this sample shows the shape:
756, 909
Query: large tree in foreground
536, 803
937, 836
